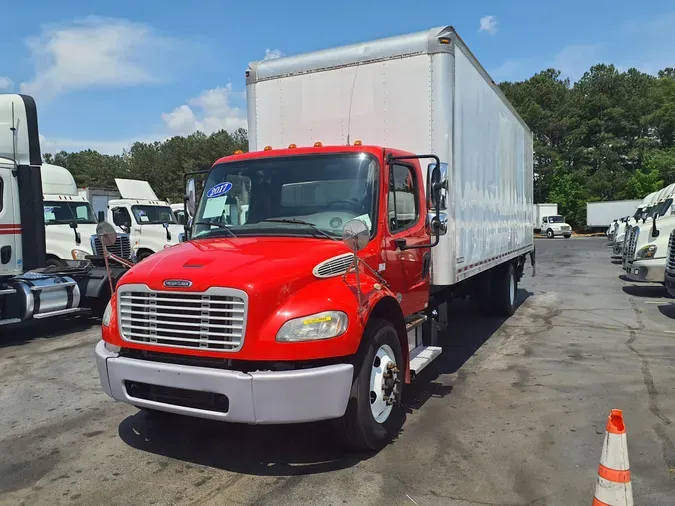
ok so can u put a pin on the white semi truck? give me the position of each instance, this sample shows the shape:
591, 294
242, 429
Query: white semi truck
645, 254
29, 289
622, 227
70, 220
149, 221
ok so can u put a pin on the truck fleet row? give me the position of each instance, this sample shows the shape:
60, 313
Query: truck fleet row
645, 241
318, 267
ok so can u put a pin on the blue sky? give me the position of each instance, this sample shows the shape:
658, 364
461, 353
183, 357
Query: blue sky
107, 74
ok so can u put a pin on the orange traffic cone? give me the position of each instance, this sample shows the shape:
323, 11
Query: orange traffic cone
613, 487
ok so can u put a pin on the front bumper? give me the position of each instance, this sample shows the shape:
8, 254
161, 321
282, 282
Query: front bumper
261, 397
647, 270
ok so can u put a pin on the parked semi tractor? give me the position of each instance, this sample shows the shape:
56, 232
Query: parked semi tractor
621, 228
70, 220
645, 254
149, 221
406, 150
29, 289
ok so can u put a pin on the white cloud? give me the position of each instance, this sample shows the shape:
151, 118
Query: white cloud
488, 24
95, 52
209, 112
272, 54
5, 83
573, 60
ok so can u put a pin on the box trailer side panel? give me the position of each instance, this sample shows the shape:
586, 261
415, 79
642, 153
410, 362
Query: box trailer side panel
601, 214
492, 173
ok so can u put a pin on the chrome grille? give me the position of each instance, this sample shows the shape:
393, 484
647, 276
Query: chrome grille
624, 244
212, 320
629, 250
334, 266
670, 255
121, 248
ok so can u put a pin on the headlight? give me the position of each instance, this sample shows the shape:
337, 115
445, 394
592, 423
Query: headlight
313, 327
78, 254
105, 321
647, 252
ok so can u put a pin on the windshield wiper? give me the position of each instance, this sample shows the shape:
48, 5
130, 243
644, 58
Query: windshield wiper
219, 225
301, 222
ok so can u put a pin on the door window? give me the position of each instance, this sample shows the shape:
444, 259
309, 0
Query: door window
403, 200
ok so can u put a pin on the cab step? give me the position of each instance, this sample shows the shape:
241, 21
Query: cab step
422, 356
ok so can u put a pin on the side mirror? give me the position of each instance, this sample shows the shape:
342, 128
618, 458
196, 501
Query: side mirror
437, 183
191, 197
655, 231
355, 235
101, 216
73, 224
165, 225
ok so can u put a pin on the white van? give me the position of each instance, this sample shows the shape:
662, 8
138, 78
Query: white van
70, 222
150, 222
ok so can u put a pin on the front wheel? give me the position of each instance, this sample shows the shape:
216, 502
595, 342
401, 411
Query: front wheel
567, 236
373, 413
550, 234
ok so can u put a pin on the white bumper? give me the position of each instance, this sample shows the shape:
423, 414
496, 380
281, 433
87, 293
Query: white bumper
652, 270
262, 397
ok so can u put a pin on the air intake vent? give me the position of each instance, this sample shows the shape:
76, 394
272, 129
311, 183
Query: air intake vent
333, 266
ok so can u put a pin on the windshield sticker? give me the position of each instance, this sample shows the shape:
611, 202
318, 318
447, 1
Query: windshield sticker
144, 217
218, 190
49, 209
141, 212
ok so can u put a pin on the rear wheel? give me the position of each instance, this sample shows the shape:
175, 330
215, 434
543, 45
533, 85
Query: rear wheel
505, 290
373, 413
550, 234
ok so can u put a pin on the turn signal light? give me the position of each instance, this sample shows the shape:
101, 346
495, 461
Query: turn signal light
358, 143
317, 144
238, 152
292, 146
268, 148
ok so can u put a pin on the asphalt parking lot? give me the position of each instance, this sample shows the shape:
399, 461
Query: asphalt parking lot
512, 414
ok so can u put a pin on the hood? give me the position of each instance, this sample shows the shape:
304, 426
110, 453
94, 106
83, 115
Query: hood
252, 264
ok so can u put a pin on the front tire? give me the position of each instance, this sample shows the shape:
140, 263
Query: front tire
373, 417
143, 255
567, 236
55, 263
550, 234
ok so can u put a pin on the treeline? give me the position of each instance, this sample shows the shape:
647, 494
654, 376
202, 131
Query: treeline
609, 136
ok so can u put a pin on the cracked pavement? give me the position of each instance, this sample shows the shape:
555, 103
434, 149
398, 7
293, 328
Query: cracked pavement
512, 413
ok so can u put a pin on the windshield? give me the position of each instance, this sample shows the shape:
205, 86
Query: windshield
325, 191
59, 213
663, 207
153, 215
556, 219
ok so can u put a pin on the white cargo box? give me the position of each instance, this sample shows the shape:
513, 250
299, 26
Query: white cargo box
424, 93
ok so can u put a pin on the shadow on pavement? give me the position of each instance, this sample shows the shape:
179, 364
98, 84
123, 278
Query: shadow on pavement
312, 448
668, 310
651, 290
49, 328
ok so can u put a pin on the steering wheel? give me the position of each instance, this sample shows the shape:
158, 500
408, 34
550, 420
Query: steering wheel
358, 208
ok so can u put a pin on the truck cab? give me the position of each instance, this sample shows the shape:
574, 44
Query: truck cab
622, 227
149, 222
70, 222
555, 226
647, 242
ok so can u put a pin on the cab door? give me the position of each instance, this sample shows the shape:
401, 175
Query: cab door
406, 270
11, 253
